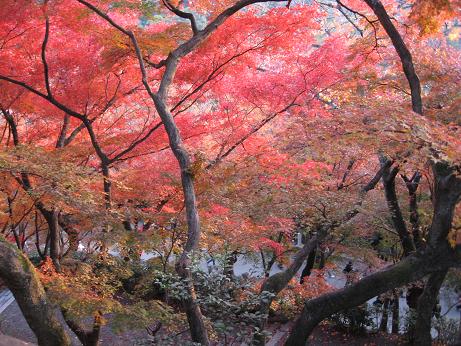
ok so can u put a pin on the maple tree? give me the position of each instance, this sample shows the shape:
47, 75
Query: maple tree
125, 121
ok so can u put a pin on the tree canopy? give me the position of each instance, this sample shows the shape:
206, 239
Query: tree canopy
142, 140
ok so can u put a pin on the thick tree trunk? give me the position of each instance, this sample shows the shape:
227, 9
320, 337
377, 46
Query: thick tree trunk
426, 304
438, 256
20, 277
408, 270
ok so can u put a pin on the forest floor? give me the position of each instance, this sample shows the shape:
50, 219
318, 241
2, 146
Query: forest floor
329, 335
12, 323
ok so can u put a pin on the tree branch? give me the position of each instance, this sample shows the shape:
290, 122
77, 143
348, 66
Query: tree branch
402, 51
182, 14
45, 64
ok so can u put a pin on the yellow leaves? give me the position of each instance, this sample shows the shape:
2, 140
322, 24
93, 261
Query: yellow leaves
165, 41
454, 34
429, 14
454, 237
118, 47
47, 270
199, 163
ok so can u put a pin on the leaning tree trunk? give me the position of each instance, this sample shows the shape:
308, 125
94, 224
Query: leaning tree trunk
438, 256
408, 270
20, 277
426, 303
307, 270
275, 284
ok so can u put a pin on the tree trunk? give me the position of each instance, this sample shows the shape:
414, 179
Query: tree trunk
437, 256
426, 304
309, 264
385, 317
198, 330
408, 270
51, 218
54, 240
87, 338
107, 184
402, 51
394, 207
194, 315
276, 283
412, 186
395, 312
20, 277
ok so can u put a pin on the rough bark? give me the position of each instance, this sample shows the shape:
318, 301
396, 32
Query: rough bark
426, 304
20, 277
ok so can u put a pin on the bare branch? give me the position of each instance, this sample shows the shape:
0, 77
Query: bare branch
182, 14
403, 52
45, 64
